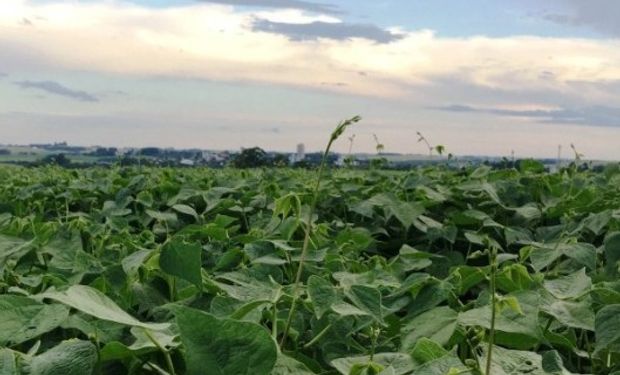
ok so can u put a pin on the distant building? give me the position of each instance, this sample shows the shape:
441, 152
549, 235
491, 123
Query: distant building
187, 162
300, 154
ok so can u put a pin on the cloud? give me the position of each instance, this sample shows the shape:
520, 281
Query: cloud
206, 41
329, 30
2, 75
591, 116
599, 15
56, 88
283, 4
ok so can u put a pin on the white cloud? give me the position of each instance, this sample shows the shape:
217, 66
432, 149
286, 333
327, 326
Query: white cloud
217, 42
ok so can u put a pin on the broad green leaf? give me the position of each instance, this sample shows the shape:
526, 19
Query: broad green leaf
426, 350
511, 362
367, 299
607, 328
182, 260
72, 357
508, 321
612, 254
185, 209
437, 324
12, 249
134, 261
544, 255
446, 365
322, 294
92, 302
346, 309
570, 286
513, 278
400, 362
22, 318
162, 216
529, 211
286, 365
8, 362
595, 222
69, 258
104, 330
224, 346
576, 314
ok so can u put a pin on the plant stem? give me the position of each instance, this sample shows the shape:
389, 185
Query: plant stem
493, 261
274, 323
165, 352
318, 336
304, 249
315, 193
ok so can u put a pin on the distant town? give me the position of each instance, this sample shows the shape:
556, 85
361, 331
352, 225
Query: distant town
63, 154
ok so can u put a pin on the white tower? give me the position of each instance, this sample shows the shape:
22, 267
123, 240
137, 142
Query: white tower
301, 152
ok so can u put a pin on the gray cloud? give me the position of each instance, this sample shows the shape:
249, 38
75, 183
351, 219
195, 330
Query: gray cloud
593, 116
599, 15
2, 75
56, 88
316, 30
285, 4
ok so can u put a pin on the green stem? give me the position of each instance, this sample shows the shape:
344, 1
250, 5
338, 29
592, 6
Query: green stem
274, 322
493, 255
304, 249
315, 193
165, 352
318, 336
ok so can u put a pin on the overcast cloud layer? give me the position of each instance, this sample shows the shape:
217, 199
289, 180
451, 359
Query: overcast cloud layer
101, 59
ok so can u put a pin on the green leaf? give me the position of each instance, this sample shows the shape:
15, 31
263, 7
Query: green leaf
8, 362
607, 328
511, 362
401, 363
322, 294
426, 350
286, 365
571, 286
513, 278
437, 324
224, 346
346, 309
570, 313
367, 299
23, 318
12, 249
92, 302
72, 357
182, 260
612, 254
68, 257
509, 322
445, 365
544, 255
185, 209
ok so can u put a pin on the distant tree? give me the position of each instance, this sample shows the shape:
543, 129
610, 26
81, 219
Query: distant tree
150, 151
4, 151
104, 152
280, 160
56, 159
251, 158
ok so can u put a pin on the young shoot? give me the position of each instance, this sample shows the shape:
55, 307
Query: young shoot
422, 138
342, 126
379, 147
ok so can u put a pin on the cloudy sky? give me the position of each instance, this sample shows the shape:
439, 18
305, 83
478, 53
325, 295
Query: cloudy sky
478, 76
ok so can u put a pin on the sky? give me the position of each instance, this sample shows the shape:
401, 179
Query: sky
480, 77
